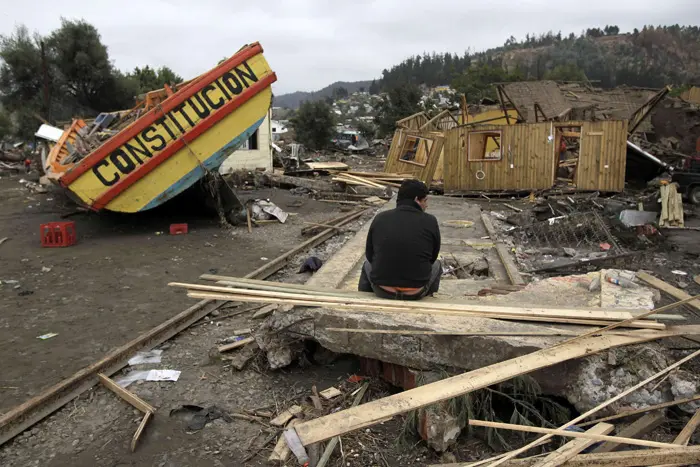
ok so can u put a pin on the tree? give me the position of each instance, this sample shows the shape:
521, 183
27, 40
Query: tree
568, 72
150, 79
340, 93
6, 129
21, 71
374, 87
400, 102
477, 82
367, 130
314, 124
82, 64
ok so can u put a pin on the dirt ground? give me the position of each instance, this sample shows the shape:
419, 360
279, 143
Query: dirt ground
112, 286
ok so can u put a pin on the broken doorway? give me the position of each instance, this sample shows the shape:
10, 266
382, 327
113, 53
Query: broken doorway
567, 155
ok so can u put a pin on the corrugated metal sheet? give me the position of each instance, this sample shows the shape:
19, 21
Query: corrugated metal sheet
529, 159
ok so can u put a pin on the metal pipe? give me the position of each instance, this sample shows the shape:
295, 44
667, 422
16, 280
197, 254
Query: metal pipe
649, 156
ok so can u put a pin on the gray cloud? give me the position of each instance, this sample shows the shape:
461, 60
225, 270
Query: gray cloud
312, 43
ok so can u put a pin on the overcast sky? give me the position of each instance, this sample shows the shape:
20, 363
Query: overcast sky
312, 43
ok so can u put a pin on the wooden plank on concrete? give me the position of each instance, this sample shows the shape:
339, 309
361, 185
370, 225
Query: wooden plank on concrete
667, 288
636, 429
570, 449
508, 263
373, 412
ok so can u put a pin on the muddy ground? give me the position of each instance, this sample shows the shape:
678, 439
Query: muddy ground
112, 286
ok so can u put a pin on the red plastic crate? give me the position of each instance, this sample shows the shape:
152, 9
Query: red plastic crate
178, 229
58, 234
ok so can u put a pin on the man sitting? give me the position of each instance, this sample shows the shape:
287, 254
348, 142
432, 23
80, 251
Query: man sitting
402, 248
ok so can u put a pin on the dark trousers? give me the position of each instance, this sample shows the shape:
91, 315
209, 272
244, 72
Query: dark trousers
430, 288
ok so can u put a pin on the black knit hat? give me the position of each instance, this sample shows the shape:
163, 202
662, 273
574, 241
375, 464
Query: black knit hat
412, 189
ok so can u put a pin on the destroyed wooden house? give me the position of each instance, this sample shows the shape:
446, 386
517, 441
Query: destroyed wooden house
574, 155
543, 135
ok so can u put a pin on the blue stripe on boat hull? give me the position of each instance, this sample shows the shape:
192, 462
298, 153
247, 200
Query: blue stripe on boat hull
213, 162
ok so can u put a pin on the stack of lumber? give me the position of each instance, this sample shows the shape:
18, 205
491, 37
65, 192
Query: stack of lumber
372, 179
671, 206
249, 290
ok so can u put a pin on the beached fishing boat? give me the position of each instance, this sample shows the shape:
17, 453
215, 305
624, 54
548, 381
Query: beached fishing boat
137, 159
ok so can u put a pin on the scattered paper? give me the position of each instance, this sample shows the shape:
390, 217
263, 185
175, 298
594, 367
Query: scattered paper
152, 356
43, 337
679, 273
148, 375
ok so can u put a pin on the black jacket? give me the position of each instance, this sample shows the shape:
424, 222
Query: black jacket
402, 245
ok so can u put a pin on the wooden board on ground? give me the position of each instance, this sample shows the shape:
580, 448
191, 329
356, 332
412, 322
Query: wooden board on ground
634, 458
286, 415
327, 166
281, 451
237, 344
330, 393
373, 412
127, 395
139, 431
667, 288
570, 449
636, 429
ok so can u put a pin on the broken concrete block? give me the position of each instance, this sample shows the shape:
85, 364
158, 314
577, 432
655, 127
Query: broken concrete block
438, 427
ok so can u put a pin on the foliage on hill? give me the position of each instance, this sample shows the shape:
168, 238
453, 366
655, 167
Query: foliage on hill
650, 57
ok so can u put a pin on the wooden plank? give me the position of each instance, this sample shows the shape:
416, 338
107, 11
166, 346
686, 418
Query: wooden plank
328, 452
572, 434
237, 344
432, 305
345, 421
139, 431
667, 288
570, 449
286, 415
634, 458
361, 180
599, 407
650, 325
281, 451
327, 165
510, 266
684, 436
573, 134
637, 429
128, 396
640, 411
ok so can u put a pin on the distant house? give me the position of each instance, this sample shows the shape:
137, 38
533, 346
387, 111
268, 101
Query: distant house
255, 153
277, 129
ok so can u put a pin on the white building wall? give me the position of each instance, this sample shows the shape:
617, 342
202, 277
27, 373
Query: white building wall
251, 159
